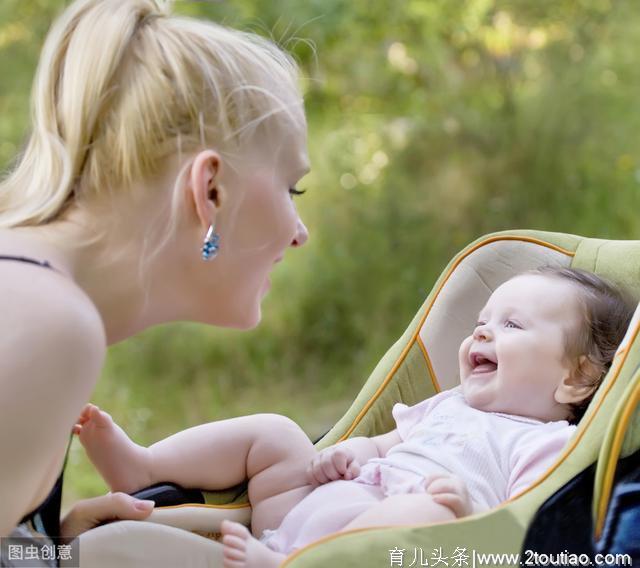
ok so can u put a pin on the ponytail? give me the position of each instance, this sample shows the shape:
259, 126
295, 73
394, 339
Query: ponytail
72, 89
120, 85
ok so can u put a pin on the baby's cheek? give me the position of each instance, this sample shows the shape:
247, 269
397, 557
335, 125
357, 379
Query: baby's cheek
463, 355
465, 346
510, 362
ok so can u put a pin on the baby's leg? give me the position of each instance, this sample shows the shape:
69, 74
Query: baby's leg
406, 509
123, 464
325, 511
269, 450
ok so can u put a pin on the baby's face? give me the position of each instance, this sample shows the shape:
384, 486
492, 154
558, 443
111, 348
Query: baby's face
515, 360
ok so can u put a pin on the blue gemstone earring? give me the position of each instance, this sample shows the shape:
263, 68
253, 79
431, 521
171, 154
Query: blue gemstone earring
211, 244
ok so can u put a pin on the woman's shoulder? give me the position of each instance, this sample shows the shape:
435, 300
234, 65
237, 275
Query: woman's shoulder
44, 310
52, 348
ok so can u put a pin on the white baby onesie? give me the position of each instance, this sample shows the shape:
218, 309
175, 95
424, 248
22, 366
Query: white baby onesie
497, 455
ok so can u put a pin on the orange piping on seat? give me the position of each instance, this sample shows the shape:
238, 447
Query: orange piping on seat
405, 351
205, 506
332, 536
621, 352
434, 379
616, 448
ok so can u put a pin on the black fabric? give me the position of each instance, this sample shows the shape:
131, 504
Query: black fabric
46, 517
44, 263
169, 494
563, 524
621, 534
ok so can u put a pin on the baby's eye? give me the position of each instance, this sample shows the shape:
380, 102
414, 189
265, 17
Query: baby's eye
480, 323
512, 324
294, 191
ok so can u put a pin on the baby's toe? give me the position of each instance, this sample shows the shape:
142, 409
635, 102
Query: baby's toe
100, 418
233, 541
232, 528
85, 414
234, 554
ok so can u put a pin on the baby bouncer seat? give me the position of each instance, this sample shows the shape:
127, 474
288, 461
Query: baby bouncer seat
422, 362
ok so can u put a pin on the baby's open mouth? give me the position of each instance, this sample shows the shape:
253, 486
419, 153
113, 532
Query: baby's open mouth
482, 363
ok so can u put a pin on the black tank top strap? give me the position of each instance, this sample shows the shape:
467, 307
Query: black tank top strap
43, 263
46, 517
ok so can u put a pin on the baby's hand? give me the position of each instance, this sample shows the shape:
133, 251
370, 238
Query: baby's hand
452, 492
331, 464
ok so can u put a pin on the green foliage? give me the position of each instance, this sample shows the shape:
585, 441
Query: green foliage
431, 123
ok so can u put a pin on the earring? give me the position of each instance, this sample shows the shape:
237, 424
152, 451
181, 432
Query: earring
211, 244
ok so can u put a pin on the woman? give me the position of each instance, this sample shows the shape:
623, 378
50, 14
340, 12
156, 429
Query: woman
155, 186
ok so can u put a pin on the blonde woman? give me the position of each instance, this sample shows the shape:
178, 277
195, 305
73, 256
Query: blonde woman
156, 186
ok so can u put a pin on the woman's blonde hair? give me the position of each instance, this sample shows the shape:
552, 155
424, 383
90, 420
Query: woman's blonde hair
121, 84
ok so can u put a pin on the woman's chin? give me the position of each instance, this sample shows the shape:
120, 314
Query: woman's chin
243, 320
249, 321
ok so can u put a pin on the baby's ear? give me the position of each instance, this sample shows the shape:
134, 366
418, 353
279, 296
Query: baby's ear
581, 383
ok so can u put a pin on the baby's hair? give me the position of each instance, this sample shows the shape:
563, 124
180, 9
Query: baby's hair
121, 85
607, 312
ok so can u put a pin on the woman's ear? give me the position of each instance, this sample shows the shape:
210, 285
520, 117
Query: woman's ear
203, 186
580, 383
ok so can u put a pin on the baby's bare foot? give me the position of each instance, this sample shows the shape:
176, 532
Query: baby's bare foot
242, 550
123, 464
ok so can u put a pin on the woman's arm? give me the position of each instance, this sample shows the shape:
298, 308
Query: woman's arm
52, 350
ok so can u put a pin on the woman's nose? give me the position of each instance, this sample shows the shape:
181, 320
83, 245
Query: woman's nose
301, 236
482, 333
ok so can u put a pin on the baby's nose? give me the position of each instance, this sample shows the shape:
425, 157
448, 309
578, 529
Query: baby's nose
482, 333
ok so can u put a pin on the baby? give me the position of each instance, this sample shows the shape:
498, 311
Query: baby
542, 344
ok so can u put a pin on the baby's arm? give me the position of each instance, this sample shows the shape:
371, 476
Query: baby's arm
343, 460
535, 452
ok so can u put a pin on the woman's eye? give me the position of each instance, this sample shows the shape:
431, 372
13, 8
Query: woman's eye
294, 191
